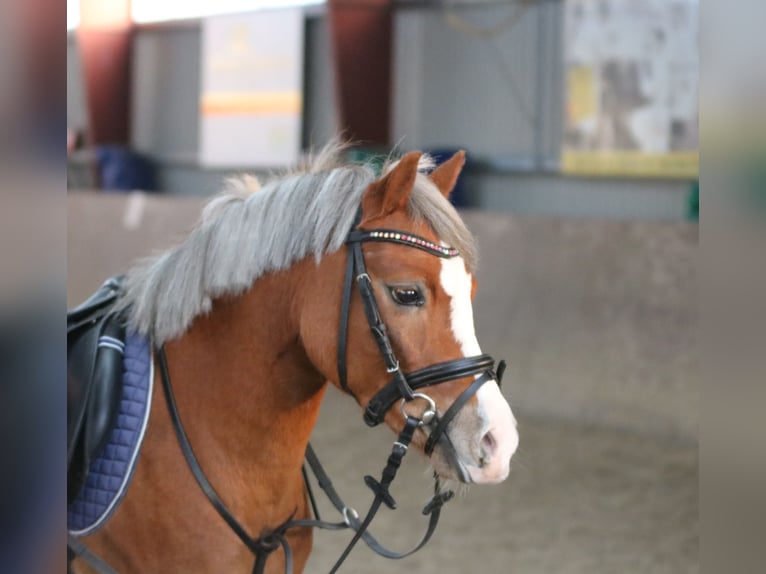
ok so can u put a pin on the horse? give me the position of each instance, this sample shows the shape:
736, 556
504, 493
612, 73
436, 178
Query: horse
329, 274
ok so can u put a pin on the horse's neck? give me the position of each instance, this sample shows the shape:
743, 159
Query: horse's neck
248, 396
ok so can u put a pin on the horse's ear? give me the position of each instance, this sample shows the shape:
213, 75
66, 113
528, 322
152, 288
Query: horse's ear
391, 192
445, 176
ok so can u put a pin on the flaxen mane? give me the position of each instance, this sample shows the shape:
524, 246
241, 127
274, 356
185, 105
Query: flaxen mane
250, 230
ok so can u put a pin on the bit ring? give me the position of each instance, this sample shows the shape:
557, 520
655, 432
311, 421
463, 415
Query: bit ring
428, 415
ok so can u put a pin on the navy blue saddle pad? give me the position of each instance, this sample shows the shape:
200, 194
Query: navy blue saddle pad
109, 474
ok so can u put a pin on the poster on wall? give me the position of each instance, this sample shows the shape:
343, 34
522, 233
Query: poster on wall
631, 77
251, 95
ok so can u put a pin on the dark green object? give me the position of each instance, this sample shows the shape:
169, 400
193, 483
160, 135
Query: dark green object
693, 202
370, 156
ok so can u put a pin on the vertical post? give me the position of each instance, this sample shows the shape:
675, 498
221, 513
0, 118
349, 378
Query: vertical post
361, 37
104, 39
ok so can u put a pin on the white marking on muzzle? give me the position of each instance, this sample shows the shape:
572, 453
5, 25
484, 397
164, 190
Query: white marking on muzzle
492, 408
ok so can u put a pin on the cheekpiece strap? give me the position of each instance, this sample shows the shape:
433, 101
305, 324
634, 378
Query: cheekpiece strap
408, 239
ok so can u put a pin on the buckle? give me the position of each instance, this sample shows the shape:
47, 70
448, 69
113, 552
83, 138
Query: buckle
350, 514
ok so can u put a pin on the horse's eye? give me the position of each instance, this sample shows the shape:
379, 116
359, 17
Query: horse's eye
407, 296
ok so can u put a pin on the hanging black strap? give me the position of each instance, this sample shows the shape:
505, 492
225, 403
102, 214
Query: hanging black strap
260, 547
310, 491
191, 458
431, 509
265, 545
380, 488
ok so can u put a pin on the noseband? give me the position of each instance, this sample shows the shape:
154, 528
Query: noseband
403, 386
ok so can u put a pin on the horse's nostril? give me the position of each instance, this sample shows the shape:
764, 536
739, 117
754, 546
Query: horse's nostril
488, 441
488, 445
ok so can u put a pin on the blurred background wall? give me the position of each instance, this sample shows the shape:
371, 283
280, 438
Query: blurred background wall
499, 96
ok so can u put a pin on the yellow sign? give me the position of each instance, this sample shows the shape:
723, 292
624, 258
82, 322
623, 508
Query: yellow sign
631, 81
684, 165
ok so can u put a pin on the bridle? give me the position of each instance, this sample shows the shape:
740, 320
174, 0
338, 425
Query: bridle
403, 387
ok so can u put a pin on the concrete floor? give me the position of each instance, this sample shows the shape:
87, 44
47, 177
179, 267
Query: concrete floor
578, 501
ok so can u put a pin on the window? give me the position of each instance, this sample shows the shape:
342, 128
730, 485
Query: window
144, 11
72, 14
161, 10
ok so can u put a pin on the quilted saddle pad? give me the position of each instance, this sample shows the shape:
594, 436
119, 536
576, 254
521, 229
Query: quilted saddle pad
110, 473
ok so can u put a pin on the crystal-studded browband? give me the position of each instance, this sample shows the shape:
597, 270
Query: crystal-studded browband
409, 239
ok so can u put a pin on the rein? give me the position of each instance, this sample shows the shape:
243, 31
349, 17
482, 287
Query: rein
263, 546
403, 387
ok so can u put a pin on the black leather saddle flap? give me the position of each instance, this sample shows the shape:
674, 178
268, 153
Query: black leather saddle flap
95, 349
94, 307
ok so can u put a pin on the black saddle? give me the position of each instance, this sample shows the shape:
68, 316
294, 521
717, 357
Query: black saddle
95, 349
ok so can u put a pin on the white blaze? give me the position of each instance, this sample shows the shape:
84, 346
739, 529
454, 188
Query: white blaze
493, 408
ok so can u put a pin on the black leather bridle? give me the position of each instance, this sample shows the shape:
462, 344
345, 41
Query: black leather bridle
403, 387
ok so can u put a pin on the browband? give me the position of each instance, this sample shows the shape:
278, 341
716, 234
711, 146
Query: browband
408, 239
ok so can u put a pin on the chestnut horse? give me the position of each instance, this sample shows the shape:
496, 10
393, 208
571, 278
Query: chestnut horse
247, 310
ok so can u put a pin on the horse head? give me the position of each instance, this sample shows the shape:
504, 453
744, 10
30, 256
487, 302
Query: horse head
417, 289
